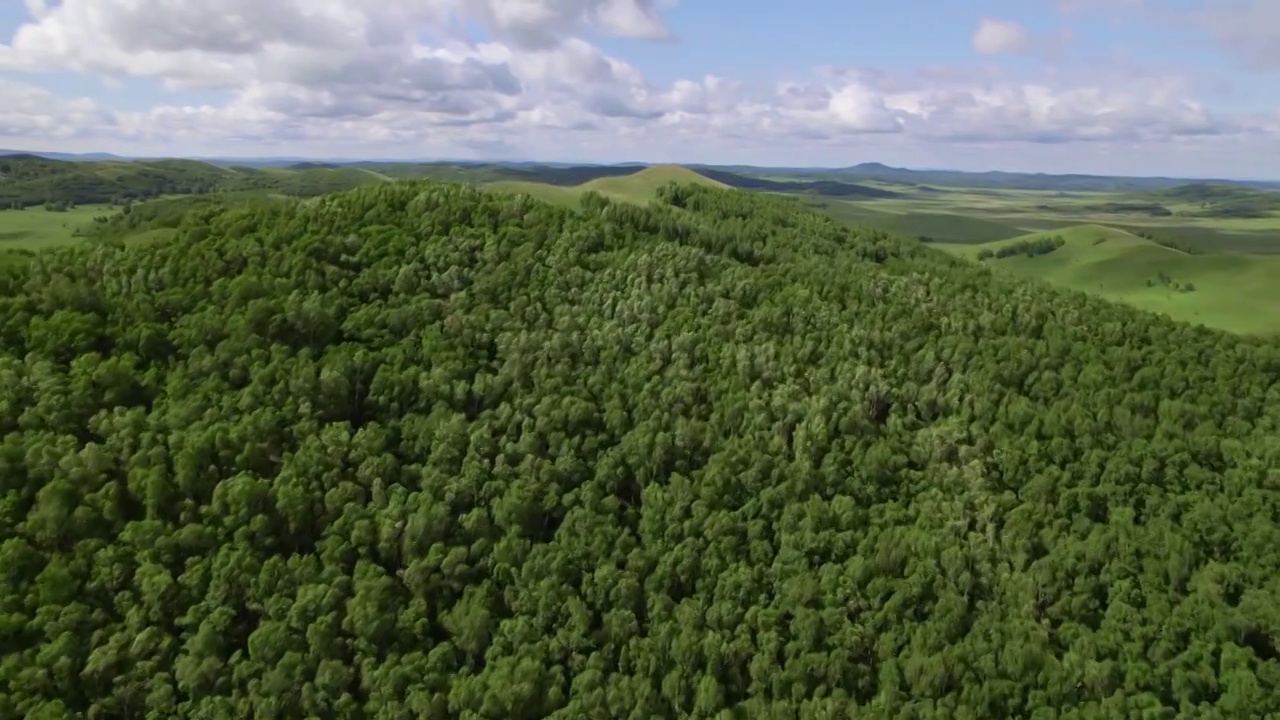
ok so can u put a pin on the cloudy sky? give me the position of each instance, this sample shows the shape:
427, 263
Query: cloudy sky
1178, 87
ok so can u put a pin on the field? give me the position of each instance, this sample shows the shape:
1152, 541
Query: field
1228, 290
1118, 246
36, 228
979, 216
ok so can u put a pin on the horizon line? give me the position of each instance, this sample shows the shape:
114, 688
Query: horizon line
87, 157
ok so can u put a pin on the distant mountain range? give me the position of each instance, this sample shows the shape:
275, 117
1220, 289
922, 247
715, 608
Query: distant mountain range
817, 177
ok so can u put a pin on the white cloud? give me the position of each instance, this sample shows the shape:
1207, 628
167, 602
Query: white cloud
542, 23
29, 111
1005, 37
402, 77
1000, 37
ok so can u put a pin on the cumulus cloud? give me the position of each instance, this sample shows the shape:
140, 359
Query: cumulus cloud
406, 75
1005, 37
29, 111
963, 108
542, 23
1000, 37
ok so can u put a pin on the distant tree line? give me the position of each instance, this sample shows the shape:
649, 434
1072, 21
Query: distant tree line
1169, 242
1031, 248
29, 181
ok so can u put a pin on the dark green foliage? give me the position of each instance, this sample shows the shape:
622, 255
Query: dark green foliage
1031, 247
420, 451
1126, 208
27, 181
1171, 243
1167, 281
168, 213
1219, 200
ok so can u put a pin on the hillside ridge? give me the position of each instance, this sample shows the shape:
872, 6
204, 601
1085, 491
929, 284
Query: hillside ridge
419, 449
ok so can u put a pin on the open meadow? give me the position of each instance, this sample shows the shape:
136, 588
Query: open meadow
1228, 290
31, 229
1135, 249
954, 215
35, 228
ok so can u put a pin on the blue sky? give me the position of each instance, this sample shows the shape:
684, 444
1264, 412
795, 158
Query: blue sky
1179, 87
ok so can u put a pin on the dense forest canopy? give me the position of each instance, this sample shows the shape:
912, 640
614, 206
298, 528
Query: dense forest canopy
420, 451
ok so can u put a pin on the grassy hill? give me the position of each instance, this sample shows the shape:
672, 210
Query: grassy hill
562, 196
30, 180
796, 185
638, 186
999, 180
919, 222
420, 450
1233, 291
1220, 201
643, 185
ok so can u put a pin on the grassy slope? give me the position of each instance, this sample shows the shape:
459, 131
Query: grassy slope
36, 228
975, 215
903, 219
638, 187
1234, 291
566, 197
641, 186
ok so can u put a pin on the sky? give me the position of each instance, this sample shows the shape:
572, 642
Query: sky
1187, 88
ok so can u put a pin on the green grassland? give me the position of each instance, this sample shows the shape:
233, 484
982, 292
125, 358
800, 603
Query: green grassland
1232, 291
638, 187
36, 228
975, 215
25, 231
554, 194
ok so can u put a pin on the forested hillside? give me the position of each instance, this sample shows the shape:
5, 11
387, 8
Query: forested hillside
421, 451
28, 180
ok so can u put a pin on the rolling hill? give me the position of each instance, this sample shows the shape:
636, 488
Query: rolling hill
1008, 180
642, 185
417, 450
29, 180
637, 186
1232, 291
1220, 201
